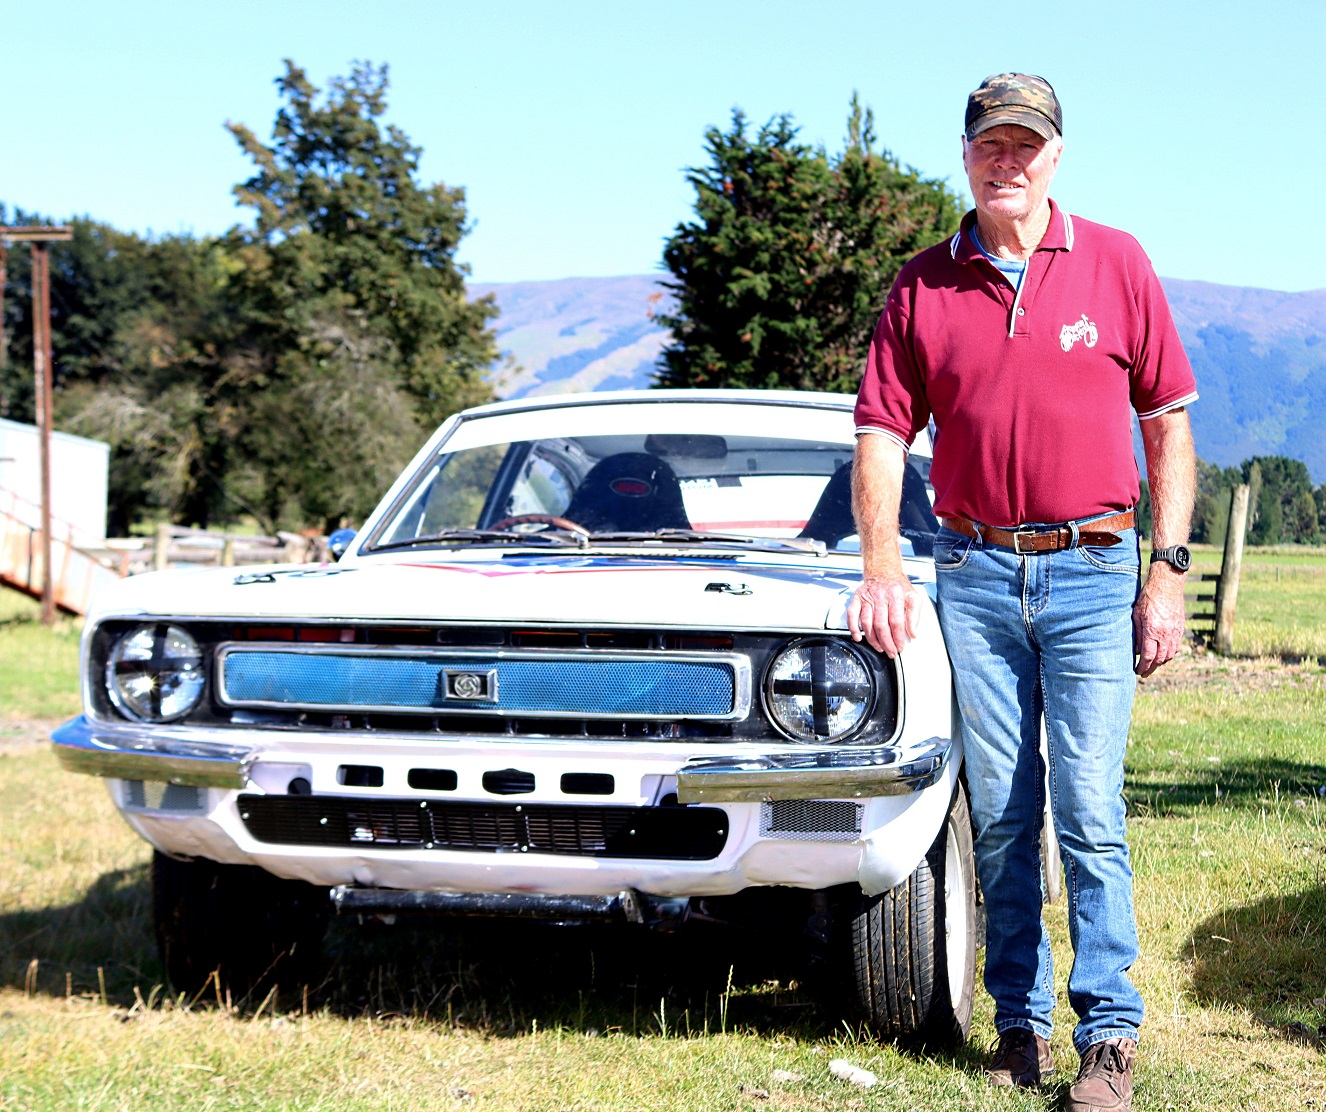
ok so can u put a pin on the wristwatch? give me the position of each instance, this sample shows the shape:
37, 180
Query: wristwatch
1176, 556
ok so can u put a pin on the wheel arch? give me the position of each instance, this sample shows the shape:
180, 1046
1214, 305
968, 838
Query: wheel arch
895, 846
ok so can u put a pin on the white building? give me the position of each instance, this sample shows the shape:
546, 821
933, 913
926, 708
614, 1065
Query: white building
79, 473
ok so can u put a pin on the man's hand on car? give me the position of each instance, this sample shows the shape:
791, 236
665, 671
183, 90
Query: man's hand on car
884, 611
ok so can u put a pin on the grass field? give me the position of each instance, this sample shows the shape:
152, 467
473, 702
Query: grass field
1282, 600
1227, 800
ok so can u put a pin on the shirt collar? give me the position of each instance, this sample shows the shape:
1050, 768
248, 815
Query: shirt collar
1058, 236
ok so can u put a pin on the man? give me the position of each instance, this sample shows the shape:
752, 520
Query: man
1030, 338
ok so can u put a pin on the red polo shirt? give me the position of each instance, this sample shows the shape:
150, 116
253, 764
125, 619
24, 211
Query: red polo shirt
1031, 393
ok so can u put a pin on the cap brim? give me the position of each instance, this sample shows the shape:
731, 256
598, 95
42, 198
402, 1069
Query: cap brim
1019, 117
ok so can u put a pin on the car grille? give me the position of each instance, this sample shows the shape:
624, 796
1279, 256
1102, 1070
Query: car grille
673, 833
586, 684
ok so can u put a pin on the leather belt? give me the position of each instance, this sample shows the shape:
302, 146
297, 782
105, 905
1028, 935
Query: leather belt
1098, 533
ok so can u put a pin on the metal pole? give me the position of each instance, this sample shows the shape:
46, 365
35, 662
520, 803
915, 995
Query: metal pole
4, 277
41, 359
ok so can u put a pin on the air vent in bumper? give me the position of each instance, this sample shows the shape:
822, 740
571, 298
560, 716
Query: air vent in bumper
652, 833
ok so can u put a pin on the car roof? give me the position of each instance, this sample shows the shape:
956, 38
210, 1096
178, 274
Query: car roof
809, 398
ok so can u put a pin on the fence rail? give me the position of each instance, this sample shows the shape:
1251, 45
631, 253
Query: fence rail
83, 565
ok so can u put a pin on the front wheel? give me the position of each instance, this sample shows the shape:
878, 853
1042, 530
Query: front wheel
236, 923
914, 947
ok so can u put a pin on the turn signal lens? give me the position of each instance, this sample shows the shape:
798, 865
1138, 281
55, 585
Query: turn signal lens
155, 673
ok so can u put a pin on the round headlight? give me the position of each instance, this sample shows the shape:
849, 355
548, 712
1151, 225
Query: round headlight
819, 690
155, 673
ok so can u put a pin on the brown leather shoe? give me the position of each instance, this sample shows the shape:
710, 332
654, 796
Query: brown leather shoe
1021, 1059
1105, 1081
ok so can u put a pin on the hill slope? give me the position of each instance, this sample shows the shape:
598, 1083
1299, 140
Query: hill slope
1259, 355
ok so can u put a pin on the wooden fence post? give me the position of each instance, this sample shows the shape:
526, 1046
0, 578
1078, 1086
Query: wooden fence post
228, 553
161, 549
1227, 590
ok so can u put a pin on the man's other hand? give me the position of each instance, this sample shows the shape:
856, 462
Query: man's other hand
884, 610
1158, 619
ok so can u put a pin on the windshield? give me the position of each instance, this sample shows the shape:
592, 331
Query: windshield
637, 488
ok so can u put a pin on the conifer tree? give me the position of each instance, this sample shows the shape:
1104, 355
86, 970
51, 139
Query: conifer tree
780, 278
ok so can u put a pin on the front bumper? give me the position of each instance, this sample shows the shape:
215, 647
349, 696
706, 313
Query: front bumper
902, 794
167, 754
816, 774
164, 754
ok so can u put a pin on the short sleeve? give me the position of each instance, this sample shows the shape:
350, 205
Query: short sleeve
1161, 377
892, 397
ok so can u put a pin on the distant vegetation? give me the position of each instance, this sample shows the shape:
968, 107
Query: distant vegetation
283, 371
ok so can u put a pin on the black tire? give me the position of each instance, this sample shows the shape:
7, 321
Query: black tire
252, 929
914, 947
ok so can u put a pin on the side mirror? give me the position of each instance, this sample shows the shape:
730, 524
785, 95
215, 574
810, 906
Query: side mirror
339, 541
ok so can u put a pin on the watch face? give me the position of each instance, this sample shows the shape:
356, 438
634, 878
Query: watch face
1181, 558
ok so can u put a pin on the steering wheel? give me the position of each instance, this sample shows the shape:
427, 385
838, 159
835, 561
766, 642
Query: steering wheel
541, 519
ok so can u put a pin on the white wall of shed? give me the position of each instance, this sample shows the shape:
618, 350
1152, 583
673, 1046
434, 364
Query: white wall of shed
80, 470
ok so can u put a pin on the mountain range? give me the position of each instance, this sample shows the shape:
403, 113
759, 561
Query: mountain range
1259, 355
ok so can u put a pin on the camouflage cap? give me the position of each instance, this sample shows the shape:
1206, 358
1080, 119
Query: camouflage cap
1015, 98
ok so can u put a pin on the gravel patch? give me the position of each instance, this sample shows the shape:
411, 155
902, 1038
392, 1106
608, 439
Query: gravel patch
1197, 668
18, 735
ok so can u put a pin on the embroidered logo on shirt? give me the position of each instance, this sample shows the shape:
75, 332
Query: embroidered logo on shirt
1083, 330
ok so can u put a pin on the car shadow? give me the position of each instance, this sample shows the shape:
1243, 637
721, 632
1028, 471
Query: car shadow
1268, 957
1223, 782
497, 976
102, 944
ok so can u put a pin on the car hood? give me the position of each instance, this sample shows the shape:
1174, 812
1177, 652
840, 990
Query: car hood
584, 589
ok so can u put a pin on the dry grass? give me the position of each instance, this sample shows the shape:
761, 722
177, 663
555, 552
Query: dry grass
1228, 826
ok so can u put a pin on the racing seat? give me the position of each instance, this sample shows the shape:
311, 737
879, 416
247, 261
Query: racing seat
831, 520
631, 492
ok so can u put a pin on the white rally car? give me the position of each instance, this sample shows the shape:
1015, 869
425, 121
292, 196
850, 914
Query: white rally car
587, 659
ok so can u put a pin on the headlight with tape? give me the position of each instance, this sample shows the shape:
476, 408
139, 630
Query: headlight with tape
819, 689
155, 673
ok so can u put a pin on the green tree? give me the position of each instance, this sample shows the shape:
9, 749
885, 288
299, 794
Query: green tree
1210, 519
286, 370
781, 277
138, 328
1304, 527
1279, 483
345, 236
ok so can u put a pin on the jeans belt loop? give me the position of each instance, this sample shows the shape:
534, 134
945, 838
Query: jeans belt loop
1023, 531
1072, 541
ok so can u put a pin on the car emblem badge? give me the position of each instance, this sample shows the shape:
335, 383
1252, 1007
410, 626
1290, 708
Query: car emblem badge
468, 686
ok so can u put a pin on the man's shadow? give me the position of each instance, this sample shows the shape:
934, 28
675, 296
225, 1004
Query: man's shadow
1268, 956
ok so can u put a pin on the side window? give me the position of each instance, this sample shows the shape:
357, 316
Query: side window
542, 487
456, 493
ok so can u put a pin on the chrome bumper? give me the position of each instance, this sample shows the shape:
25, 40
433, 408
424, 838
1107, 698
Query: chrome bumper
820, 774
82, 746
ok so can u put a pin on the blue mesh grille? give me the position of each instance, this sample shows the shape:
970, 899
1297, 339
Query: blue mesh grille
662, 688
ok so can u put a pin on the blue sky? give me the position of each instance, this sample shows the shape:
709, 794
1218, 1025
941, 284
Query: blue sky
1195, 126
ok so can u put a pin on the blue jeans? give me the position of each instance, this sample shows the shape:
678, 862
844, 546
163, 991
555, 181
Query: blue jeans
1050, 632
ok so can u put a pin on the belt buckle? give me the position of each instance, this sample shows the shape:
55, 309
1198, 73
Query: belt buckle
1023, 531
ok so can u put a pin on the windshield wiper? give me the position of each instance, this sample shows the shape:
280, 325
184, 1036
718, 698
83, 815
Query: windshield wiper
698, 536
558, 537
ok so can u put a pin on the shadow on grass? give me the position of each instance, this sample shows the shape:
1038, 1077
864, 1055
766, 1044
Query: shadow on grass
1240, 783
1268, 956
496, 976
109, 930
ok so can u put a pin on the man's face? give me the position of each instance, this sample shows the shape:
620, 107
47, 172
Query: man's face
1010, 169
